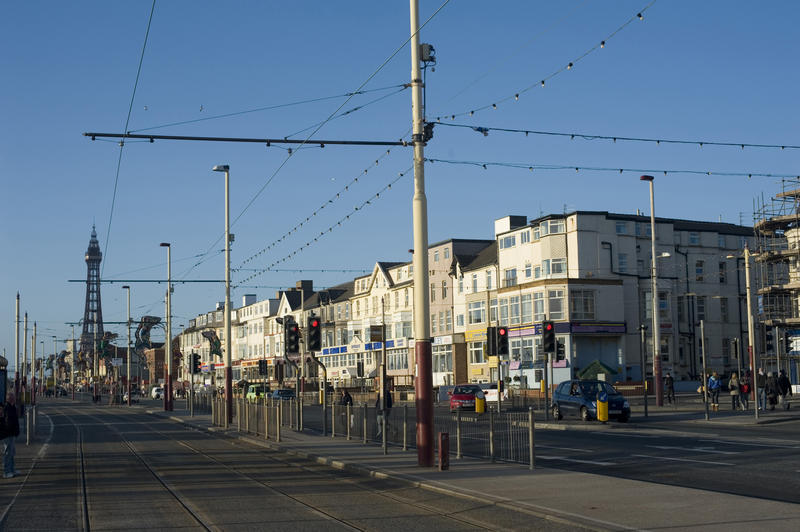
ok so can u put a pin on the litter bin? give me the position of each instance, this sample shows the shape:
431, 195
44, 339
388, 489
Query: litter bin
602, 406
480, 404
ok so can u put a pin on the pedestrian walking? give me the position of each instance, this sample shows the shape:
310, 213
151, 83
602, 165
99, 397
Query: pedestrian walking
772, 390
714, 387
9, 430
383, 414
785, 389
761, 389
746, 388
344, 401
734, 389
669, 388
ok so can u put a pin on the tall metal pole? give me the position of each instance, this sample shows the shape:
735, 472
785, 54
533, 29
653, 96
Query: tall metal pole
643, 357
25, 374
55, 363
72, 365
16, 350
423, 386
42, 380
705, 367
228, 340
658, 384
168, 346
750, 346
128, 379
33, 364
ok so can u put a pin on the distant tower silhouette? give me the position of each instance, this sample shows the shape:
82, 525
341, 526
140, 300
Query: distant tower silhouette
93, 313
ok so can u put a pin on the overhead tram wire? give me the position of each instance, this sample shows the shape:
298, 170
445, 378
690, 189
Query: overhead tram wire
333, 198
369, 78
268, 108
639, 15
619, 170
344, 219
614, 138
122, 144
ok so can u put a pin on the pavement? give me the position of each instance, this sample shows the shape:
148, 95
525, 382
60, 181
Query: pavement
596, 501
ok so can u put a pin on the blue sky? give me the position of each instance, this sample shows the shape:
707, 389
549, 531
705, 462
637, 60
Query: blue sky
714, 71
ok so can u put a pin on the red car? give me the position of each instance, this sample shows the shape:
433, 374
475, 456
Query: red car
463, 397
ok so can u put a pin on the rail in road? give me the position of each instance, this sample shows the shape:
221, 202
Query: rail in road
109, 468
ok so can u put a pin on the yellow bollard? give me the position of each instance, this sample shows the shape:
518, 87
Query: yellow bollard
480, 405
602, 407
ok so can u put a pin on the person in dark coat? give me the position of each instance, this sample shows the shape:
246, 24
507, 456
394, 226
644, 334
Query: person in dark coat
669, 388
761, 394
346, 399
785, 389
10, 431
772, 390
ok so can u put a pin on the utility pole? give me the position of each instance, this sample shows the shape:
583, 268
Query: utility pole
705, 367
423, 387
643, 357
128, 380
750, 328
25, 385
16, 350
72, 365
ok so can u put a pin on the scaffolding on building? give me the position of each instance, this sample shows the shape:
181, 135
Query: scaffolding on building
776, 222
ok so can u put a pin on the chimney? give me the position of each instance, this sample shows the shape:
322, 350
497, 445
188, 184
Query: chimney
248, 299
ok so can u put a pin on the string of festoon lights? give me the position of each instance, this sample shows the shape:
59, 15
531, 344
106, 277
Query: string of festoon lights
617, 170
543, 81
614, 138
321, 234
316, 211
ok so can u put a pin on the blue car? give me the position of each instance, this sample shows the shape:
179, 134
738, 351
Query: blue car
283, 394
578, 398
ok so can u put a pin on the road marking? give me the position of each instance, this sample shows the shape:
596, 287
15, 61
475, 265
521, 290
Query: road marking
564, 448
695, 449
682, 459
565, 459
622, 435
770, 445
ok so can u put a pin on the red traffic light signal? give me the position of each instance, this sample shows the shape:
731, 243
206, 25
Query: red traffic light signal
314, 334
502, 341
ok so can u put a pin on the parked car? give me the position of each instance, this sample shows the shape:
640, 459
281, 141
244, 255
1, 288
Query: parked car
255, 391
157, 392
578, 398
285, 395
463, 397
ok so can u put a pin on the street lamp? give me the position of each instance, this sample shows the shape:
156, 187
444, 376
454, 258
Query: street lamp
750, 346
654, 275
55, 363
128, 378
228, 343
72, 365
168, 346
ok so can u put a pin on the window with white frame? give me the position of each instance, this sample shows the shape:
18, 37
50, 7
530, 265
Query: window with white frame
446, 253
436, 256
477, 312
433, 291
508, 241
622, 262
460, 320
528, 270
527, 308
694, 238
538, 306
489, 280
442, 358
557, 226
513, 305
503, 311
558, 266
622, 228
449, 320
476, 352
433, 323
524, 237
536, 232
493, 310
444, 289
582, 305
474, 282
510, 276
460, 285
555, 304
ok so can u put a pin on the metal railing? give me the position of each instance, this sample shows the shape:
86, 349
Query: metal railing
505, 436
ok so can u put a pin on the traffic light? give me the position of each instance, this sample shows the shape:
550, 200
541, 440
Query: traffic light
502, 341
314, 334
292, 337
262, 367
491, 341
195, 363
560, 350
548, 337
770, 347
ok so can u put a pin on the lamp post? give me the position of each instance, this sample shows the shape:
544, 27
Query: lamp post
228, 342
750, 345
72, 365
643, 356
168, 343
128, 374
55, 363
16, 349
658, 385
705, 366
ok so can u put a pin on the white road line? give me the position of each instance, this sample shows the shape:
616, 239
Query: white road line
564, 448
565, 459
770, 445
693, 449
682, 459
621, 435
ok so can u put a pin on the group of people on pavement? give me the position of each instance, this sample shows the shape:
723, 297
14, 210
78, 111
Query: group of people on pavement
771, 389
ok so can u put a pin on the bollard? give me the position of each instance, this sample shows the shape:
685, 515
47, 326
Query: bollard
238, 417
532, 454
405, 427
444, 451
602, 407
278, 422
348, 421
491, 435
383, 433
300, 415
458, 434
364, 425
324, 419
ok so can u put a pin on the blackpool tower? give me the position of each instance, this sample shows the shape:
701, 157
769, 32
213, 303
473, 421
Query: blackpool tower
93, 312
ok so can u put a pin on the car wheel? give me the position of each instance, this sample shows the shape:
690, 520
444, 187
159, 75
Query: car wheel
585, 414
624, 418
556, 413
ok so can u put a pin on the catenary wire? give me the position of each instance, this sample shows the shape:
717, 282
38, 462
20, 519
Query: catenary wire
614, 138
122, 143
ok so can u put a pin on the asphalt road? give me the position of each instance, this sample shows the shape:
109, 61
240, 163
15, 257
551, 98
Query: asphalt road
106, 468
